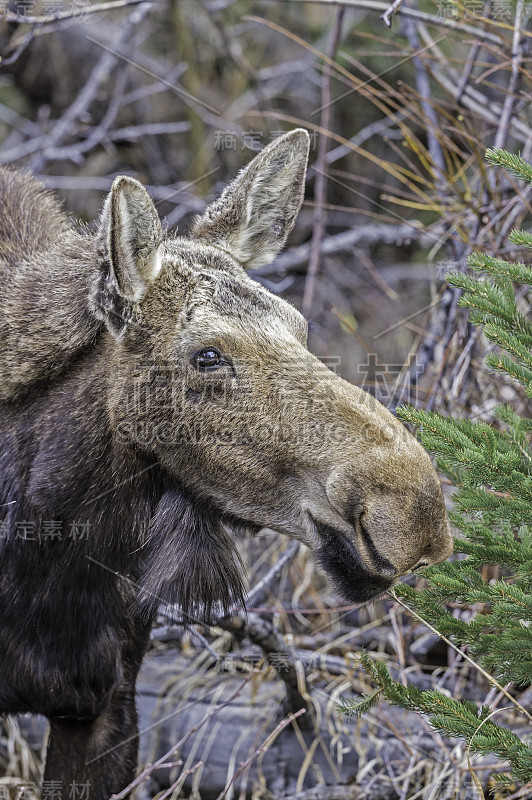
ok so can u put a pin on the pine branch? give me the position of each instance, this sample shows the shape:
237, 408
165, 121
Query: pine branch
511, 163
455, 717
492, 468
522, 238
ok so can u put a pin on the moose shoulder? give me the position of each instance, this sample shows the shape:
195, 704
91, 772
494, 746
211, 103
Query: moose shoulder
152, 398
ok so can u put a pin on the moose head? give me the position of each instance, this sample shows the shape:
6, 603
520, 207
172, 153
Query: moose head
212, 379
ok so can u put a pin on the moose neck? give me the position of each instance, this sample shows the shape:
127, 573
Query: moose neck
102, 493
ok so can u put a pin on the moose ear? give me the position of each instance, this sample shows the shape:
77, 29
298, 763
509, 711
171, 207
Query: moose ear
128, 239
254, 215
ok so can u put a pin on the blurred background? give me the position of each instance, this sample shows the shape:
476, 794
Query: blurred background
401, 103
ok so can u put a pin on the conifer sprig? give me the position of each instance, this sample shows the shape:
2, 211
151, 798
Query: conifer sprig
491, 466
456, 718
510, 162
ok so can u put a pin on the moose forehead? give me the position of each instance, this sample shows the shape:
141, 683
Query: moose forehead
217, 293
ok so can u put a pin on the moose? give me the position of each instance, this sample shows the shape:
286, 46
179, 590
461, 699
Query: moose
154, 402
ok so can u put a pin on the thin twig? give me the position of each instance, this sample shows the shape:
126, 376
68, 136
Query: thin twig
178, 783
318, 220
16, 120
524, 793
521, 204
259, 592
366, 262
154, 88
462, 363
148, 129
75, 151
178, 90
472, 57
147, 771
452, 308
19, 48
378, 128
473, 663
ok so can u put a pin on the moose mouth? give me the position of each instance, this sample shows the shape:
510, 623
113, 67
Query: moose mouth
342, 562
340, 559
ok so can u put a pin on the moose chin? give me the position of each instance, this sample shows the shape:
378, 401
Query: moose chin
154, 398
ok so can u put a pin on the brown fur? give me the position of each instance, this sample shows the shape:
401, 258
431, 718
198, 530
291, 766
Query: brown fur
110, 415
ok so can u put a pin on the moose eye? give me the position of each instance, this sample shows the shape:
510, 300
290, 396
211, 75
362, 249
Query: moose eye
208, 358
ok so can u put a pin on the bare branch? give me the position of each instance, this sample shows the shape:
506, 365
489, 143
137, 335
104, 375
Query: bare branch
262, 633
321, 178
346, 240
148, 129
471, 59
185, 96
75, 152
391, 12
264, 746
259, 592
147, 771
180, 781
517, 58
472, 98
99, 74
413, 13
431, 120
